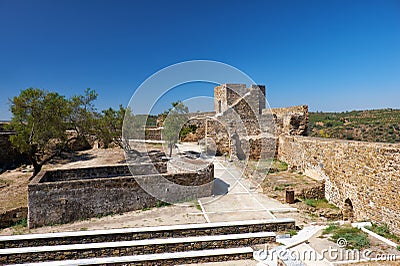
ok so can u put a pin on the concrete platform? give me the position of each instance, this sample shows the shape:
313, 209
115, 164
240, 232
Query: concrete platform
236, 198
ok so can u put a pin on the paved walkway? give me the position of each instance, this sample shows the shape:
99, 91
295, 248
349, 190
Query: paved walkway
235, 198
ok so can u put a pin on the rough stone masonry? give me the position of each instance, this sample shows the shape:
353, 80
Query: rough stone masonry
362, 176
62, 196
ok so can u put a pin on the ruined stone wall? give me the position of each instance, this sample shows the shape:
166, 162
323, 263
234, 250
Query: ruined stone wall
101, 172
367, 174
160, 232
132, 250
79, 196
13, 216
291, 120
153, 133
220, 101
9, 156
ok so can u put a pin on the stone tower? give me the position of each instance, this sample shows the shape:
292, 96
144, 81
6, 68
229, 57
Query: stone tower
228, 95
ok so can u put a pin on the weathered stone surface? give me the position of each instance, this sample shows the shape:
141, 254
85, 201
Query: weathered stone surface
74, 254
10, 217
291, 120
313, 192
361, 176
62, 196
150, 233
240, 125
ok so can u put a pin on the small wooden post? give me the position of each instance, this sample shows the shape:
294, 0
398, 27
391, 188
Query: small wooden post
290, 196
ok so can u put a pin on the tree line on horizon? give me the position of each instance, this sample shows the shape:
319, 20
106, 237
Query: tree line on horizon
379, 125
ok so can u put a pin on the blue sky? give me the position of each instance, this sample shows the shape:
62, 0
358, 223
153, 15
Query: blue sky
331, 55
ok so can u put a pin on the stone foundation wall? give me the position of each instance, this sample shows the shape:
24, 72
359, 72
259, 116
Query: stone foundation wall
13, 216
153, 133
101, 172
314, 192
74, 254
153, 233
365, 175
53, 200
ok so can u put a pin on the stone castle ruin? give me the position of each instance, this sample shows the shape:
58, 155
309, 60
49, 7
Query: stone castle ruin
361, 178
241, 125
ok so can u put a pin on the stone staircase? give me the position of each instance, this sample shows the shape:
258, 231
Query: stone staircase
162, 245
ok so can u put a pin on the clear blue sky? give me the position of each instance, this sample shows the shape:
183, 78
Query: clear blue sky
331, 55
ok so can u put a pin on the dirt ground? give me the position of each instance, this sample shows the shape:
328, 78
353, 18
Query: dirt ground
13, 189
167, 215
14, 183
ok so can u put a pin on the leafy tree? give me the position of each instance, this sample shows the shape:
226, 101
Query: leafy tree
82, 114
40, 122
109, 128
176, 118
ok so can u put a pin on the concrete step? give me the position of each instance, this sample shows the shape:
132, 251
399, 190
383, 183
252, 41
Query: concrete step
130, 248
128, 234
201, 256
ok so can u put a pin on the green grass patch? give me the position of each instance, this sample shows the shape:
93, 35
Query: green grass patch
383, 230
319, 204
278, 166
330, 229
162, 204
355, 238
279, 188
21, 223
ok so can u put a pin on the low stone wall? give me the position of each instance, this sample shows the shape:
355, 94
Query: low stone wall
314, 192
63, 196
359, 175
101, 172
153, 134
215, 258
129, 234
145, 247
190, 260
13, 216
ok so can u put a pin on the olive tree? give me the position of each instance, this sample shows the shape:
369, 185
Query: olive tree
40, 120
175, 119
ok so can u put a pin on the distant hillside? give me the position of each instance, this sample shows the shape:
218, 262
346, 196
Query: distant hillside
370, 125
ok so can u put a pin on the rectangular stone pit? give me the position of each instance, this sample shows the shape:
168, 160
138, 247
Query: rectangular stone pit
63, 196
